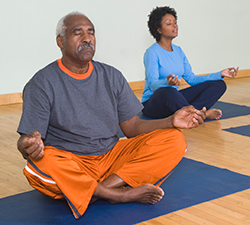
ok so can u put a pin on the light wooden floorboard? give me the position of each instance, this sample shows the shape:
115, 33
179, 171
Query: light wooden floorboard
207, 143
210, 144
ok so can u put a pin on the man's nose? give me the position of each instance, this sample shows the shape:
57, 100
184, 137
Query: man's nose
86, 37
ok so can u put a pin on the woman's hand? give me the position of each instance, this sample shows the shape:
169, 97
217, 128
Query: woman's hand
173, 81
230, 72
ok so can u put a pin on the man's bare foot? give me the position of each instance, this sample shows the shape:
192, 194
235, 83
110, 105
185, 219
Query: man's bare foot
146, 193
112, 181
213, 114
94, 199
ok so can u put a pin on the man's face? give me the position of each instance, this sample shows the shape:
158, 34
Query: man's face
79, 42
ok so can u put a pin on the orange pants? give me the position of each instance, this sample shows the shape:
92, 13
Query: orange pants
147, 158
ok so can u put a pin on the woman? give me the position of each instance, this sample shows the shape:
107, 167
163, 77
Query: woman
165, 64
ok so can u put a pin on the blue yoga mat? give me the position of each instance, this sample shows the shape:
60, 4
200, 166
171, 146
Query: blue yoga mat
191, 183
243, 130
230, 110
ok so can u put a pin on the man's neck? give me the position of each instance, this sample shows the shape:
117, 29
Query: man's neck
75, 67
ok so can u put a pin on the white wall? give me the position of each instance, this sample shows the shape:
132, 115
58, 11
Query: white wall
214, 34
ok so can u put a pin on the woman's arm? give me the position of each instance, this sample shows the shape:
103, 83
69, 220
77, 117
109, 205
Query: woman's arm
192, 79
151, 63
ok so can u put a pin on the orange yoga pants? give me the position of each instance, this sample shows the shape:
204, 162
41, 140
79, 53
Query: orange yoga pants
147, 158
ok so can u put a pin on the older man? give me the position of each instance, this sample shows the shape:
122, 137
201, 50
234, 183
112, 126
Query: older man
69, 128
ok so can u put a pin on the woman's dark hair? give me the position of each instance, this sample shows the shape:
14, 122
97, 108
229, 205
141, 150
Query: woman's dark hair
155, 17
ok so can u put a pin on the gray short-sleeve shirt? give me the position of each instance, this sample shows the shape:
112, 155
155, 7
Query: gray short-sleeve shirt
80, 116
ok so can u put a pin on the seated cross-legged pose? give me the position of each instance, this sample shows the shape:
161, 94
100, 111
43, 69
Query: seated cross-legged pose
72, 110
165, 65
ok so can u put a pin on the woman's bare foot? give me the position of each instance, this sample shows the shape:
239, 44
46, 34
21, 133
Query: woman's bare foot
146, 193
213, 114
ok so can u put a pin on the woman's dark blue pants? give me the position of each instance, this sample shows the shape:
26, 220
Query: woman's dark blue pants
167, 100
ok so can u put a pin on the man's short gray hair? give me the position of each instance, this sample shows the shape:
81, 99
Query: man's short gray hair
61, 27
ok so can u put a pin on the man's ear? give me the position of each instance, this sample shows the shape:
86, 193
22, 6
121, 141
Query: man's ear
59, 41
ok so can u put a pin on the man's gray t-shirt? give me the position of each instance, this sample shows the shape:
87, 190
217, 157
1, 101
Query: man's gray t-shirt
80, 116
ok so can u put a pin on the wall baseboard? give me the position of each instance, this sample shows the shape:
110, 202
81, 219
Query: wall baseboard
15, 98
11, 99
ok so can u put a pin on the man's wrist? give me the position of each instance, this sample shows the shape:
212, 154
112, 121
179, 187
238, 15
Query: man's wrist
170, 122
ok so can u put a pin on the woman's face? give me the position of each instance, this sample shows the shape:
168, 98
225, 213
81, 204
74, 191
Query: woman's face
169, 27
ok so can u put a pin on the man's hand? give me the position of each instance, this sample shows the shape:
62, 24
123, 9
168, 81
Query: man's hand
230, 72
188, 117
31, 145
173, 81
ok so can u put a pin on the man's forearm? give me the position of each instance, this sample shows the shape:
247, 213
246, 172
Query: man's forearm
146, 126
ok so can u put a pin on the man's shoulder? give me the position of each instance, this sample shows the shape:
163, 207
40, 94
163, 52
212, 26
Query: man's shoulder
100, 67
46, 71
109, 73
51, 66
103, 65
44, 75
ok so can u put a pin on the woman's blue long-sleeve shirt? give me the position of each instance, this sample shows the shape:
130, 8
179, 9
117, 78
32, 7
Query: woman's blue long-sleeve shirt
159, 63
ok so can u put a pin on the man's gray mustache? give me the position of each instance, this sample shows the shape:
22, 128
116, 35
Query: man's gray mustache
85, 46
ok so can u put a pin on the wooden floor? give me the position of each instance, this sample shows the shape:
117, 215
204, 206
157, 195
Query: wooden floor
207, 143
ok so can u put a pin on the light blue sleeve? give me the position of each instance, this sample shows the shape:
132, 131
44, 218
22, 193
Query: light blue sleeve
151, 63
192, 79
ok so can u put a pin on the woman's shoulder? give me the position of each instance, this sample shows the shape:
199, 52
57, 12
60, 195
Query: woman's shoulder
154, 49
151, 51
177, 47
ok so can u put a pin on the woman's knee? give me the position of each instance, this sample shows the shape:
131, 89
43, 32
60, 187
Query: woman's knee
223, 85
220, 85
156, 106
